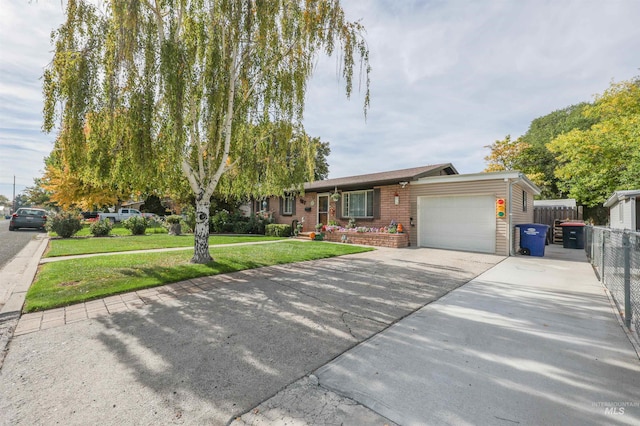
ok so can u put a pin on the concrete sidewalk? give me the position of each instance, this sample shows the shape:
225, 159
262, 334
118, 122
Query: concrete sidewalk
531, 341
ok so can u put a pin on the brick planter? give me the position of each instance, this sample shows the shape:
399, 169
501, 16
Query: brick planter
370, 238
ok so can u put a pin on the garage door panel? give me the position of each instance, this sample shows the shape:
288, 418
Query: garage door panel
458, 222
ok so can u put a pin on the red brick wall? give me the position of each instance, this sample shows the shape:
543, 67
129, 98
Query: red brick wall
388, 209
370, 239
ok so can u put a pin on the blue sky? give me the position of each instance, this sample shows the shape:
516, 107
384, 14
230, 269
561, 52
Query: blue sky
449, 78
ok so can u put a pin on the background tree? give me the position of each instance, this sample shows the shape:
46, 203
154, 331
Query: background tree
4, 201
37, 195
321, 170
605, 157
537, 161
505, 155
175, 91
529, 153
72, 190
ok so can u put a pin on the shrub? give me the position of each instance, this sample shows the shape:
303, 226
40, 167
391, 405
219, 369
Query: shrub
174, 218
278, 230
189, 218
173, 224
218, 221
136, 224
101, 228
241, 227
64, 224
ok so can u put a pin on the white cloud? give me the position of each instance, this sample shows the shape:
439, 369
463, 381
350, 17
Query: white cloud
449, 77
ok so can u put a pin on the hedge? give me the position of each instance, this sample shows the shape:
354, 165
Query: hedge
278, 230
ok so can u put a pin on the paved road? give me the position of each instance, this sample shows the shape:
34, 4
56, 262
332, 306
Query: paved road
215, 352
12, 242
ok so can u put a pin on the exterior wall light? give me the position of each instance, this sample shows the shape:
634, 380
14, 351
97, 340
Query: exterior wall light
396, 198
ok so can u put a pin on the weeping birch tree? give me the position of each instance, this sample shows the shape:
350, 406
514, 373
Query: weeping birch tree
204, 93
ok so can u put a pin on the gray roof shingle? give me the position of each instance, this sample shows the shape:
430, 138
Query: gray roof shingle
381, 178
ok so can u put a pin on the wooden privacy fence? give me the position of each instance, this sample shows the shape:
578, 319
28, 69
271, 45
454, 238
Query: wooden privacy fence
552, 216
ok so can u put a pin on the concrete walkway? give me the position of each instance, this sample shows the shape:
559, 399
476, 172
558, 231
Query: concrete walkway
532, 341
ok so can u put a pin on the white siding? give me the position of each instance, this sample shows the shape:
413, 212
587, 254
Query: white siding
621, 215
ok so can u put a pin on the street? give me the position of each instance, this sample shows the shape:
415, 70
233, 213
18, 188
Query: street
12, 242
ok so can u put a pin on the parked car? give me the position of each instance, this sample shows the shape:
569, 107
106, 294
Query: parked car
120, 216
28, 218
90, 215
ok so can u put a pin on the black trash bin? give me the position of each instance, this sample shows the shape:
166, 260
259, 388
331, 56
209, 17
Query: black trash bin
532, 238
573, 235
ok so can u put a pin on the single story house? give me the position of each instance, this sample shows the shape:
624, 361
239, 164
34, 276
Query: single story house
436, 206
623, 207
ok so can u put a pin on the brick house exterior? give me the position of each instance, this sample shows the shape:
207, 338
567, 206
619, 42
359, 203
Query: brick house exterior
436, 206
372, 197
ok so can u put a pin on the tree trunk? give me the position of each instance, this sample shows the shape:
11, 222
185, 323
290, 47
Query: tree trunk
201, 233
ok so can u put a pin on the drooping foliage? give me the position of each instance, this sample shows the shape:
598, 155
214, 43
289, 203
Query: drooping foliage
162, 95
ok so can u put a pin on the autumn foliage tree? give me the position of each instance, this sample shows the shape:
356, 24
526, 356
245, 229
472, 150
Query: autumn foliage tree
585, 151
207, 94
596, 161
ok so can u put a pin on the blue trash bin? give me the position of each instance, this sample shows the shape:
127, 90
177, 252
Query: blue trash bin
533, 237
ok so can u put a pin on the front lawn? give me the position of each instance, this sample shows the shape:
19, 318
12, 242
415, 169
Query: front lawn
77, 280
73, 246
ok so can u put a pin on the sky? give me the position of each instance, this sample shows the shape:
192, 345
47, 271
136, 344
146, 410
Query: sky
448, 78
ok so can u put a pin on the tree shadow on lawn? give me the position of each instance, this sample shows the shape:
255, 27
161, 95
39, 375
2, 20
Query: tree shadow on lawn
220, 352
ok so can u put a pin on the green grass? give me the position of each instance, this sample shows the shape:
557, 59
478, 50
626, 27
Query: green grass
73, 246
77, 280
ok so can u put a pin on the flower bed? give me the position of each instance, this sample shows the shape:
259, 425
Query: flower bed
369, 238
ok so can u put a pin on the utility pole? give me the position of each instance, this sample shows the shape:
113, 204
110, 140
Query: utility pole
14, 194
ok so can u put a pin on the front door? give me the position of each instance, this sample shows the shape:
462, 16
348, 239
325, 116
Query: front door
323, 209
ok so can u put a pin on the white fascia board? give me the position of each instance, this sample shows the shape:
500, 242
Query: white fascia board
612, 200
474, 177
620, 196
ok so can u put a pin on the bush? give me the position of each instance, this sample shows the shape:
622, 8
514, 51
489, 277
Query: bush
101, 228
241, 228
218, 221
173, 224
136, 224
278, 230
189, 218
174, 218
64, 224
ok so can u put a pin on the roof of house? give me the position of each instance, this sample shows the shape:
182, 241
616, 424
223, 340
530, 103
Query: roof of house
378, 179
507, 175
618, 196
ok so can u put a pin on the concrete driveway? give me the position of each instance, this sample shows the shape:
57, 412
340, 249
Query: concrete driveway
207, 357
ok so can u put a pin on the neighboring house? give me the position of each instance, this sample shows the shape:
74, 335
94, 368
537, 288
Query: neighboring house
437, 206
623, 207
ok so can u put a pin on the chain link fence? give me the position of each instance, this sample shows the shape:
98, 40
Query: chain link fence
615, 255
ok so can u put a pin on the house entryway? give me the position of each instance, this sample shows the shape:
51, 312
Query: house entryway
323, 209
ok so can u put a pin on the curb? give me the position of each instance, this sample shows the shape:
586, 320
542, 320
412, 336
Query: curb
18, 274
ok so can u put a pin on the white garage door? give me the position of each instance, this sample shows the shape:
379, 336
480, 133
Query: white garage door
458, 223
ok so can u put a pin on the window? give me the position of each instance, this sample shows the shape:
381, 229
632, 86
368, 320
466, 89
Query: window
524, 201
288, 204
357, 204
